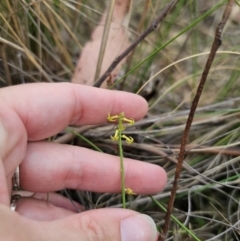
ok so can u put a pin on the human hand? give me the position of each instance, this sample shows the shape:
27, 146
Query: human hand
33, 112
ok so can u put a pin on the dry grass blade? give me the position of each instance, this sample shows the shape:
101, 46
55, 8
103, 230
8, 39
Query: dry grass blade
53, 24
104, 39
6, 67
28, 53
11, 44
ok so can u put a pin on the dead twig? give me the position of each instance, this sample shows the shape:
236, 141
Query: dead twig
216, 44
151, 28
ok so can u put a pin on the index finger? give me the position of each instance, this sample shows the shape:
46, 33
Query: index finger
47, 108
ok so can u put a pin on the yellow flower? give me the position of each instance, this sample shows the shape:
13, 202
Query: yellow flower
121, 117
129, 191
130, 121
116, 136
112, 118
128, 139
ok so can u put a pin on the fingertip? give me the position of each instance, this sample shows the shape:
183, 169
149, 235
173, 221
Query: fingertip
157, 179
153, 177
144, 106
162, 178
138, 228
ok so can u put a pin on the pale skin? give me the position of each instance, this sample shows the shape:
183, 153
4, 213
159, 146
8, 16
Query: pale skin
31, 113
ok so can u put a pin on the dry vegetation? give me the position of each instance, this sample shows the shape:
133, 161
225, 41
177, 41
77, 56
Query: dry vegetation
41, 41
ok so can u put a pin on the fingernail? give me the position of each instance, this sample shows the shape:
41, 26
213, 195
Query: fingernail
138, 228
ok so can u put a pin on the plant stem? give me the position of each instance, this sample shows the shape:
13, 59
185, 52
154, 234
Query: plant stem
216, 44
122, 165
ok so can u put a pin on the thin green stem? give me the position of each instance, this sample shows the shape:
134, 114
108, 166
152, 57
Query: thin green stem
121, 164
86, 140
118, 137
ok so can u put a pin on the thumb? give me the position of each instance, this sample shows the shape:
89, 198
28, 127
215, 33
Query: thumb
103, 225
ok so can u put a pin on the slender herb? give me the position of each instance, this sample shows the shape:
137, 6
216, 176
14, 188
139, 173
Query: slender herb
118, 136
